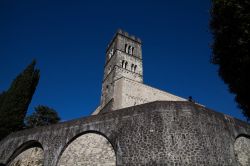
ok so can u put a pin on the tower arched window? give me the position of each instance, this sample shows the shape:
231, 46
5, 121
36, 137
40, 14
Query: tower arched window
126, 48
132, 67
126, 63
123, 63
132, 52
129, 49
135, 68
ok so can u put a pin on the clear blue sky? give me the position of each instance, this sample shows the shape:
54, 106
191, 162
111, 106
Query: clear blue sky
68, 39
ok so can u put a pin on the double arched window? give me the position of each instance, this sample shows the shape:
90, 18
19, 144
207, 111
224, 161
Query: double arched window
133, 67
124, 64
129, 49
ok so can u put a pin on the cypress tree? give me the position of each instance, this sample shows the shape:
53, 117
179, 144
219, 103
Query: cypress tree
15, 101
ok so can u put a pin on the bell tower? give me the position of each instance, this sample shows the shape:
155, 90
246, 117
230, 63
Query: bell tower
123, 59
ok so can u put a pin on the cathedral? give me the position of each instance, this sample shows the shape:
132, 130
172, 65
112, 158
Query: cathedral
135, 124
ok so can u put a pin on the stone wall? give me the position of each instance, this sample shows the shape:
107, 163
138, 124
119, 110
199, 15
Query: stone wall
242, 150
129, 93
30, 157
88, 149
158, 133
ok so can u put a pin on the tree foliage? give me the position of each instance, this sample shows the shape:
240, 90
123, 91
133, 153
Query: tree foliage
230, 26
15, 101
42, 116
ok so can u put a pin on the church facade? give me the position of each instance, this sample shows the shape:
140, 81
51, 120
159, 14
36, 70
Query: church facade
135, 124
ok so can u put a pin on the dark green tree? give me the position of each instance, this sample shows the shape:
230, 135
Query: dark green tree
2, 95
42, 116
15, 101
230, 26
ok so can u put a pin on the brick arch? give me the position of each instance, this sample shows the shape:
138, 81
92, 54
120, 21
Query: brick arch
242, 149
32, 144
92, 136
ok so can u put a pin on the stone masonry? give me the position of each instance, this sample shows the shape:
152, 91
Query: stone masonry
242, 150
158, 133
88, 149
30, 157
123, 76
133, 127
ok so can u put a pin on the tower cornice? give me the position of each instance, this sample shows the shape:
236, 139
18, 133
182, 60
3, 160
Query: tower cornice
124, 34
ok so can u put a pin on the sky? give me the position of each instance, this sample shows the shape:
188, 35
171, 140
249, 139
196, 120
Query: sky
68, 40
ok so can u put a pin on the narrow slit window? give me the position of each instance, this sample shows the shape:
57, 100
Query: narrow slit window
132, 67
126, 48
129, 49
123, 64
135, 68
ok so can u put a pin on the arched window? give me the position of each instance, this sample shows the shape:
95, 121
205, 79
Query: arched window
132, 52
123, 64
126, 63
126, 48
132, 67
111, 53
129, 50
135, 68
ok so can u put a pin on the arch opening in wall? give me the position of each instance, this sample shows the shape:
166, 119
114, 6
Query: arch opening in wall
29, 153
242, 149
89, 148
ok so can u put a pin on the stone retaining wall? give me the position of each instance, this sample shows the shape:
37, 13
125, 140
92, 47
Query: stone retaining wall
158, 133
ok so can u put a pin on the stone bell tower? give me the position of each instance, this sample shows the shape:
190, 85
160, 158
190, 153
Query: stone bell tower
123, 59
122, 84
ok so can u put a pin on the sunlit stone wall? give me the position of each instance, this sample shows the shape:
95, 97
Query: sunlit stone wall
88, 149
242, 150
29, 157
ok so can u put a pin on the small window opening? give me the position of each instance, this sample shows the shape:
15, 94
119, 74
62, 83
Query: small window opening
135, 68
126, 48
132, 67
123, 63
130, 50
126, 63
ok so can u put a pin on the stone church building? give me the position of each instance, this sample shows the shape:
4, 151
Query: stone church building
122, 84
135, 124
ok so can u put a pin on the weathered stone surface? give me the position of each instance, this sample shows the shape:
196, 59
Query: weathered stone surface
88, 149
158, 133
129, 93
242, 150
30, 157
123, 76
